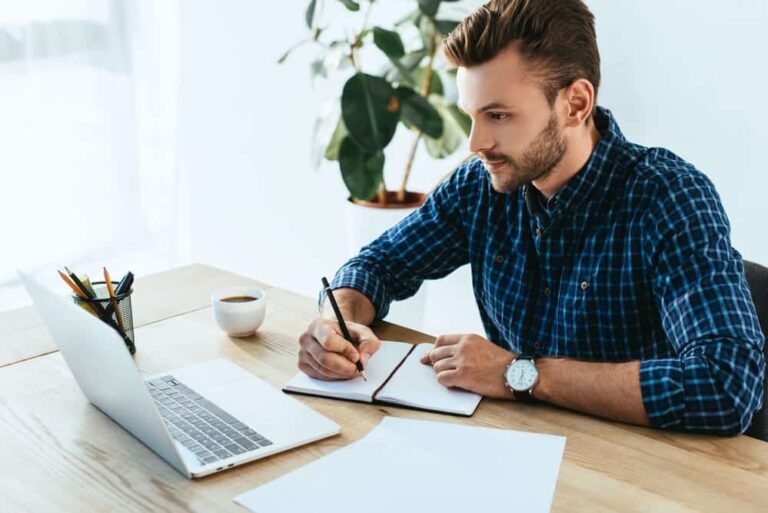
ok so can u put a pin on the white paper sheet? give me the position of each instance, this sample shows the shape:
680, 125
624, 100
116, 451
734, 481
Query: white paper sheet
410, 465
415, 384
377, 370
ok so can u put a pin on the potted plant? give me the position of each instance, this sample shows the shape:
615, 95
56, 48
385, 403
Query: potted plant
411, 88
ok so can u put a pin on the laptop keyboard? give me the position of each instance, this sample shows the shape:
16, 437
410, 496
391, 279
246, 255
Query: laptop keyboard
199, 425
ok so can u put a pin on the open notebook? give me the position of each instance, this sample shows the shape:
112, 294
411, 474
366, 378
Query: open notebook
396, 376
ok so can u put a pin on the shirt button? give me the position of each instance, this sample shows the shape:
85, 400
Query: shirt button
536, 345
499, 259
584, 285
538, 232
547, 291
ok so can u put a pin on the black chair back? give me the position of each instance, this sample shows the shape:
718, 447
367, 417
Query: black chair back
757, 278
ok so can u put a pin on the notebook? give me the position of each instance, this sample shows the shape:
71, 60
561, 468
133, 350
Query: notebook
395, 376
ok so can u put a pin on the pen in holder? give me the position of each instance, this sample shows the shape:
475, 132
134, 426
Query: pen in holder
115, 310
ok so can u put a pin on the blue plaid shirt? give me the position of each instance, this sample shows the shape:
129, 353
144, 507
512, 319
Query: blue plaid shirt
630, 260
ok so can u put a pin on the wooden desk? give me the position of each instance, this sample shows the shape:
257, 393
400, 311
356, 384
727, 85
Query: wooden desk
59, 453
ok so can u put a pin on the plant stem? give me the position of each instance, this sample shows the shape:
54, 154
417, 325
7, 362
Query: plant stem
381, 194
358, 39
425, 85
408, 165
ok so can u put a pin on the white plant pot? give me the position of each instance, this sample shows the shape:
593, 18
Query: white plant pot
364, 224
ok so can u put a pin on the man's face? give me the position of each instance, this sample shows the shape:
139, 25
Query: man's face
515, 132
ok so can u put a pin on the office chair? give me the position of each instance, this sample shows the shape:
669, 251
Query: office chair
757, 278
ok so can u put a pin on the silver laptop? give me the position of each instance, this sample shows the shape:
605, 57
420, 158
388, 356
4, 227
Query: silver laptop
201, 419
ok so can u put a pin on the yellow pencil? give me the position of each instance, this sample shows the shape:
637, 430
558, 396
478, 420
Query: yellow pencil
79, 293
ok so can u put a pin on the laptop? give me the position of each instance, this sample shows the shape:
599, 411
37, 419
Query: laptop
201, 419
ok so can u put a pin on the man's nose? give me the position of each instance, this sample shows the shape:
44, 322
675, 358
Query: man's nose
479, 139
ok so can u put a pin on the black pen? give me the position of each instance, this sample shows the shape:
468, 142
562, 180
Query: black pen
125, 284
343, 325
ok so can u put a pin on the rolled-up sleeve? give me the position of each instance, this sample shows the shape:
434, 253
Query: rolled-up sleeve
428, 244
714, 380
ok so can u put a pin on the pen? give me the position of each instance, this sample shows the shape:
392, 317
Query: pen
125, 283
343, 325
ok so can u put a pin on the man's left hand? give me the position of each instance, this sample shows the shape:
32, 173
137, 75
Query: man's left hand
472, 363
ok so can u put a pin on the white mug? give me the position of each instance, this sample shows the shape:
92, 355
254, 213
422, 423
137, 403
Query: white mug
239, 319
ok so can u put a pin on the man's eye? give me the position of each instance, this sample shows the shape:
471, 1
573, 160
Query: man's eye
498, 116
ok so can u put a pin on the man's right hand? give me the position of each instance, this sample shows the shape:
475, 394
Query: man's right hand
325, 354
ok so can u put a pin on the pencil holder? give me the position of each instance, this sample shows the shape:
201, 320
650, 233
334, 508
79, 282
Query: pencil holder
115, 311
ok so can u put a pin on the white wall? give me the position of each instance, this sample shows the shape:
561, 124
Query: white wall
691, 75
256, 204
687, 75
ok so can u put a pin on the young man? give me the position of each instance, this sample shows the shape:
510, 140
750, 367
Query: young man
603, 270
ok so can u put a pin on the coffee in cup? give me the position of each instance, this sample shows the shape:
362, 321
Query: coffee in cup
239, 311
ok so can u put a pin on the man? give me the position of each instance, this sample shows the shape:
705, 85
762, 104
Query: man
603, 270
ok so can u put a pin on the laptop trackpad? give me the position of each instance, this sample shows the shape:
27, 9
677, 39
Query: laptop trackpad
255, 402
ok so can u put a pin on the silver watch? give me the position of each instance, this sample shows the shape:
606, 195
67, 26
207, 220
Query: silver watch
521, 376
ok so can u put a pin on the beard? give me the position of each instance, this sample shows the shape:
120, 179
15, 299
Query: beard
537, 162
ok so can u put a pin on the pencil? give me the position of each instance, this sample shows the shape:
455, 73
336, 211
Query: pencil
342, 324
114, 303
87, 282
104, 314
78, 283
77, 292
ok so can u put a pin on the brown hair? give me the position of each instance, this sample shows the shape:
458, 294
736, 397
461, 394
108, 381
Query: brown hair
556, 39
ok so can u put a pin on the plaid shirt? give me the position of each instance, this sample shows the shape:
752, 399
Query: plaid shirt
630, 260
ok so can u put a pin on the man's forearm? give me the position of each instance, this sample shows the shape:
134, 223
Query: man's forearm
354, 306
608, 390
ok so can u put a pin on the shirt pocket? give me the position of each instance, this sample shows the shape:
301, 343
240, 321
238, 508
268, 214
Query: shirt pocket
577, 315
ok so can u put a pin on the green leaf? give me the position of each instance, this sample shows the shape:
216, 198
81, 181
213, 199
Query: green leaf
317, 68
404, 67
288, 52
464, 121
413, 59
324, 129
399, 73
427, 31
411, 17
309, 16
370, 109
362, 171
419, 112
446, 26
453, 135
435, 84
429, 7
332, 151
335, 58
351, 5
388, 42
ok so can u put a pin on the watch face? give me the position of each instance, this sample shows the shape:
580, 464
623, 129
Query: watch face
522, 375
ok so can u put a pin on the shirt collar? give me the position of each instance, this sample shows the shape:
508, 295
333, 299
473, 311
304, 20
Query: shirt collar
593, 175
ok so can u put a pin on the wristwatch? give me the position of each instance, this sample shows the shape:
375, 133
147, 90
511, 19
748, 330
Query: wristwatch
521, 376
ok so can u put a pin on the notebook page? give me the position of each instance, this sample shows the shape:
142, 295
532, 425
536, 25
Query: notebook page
408, 465
415, 384
378, 369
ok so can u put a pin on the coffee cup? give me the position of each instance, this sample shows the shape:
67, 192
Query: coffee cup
239, 311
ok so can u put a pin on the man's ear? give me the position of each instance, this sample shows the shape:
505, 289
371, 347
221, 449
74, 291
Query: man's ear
580, 102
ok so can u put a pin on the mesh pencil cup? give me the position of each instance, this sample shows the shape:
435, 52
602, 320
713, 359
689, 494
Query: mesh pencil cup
115, 311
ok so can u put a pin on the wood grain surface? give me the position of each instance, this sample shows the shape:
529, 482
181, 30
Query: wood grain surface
60, 453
